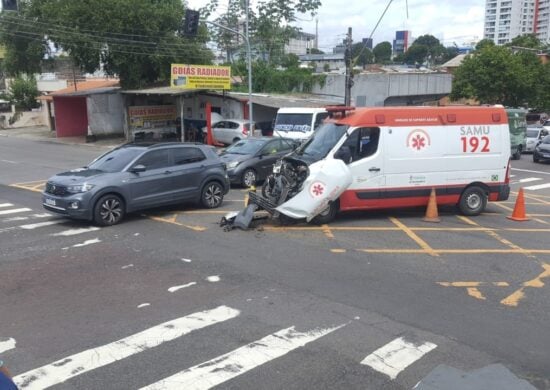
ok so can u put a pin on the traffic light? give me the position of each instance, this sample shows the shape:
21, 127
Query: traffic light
191, 22
9, 5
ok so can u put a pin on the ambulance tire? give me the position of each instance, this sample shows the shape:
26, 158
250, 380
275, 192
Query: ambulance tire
328, 214
472, 201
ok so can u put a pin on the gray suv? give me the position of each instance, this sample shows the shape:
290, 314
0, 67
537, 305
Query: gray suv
138, 176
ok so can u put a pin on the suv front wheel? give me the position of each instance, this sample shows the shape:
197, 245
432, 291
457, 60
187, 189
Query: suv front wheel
109, 210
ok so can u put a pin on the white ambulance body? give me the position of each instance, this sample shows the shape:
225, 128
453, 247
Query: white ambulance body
461, 152
298, 122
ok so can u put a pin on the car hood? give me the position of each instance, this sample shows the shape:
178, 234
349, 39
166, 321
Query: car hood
230, 157
545, 147
76, 176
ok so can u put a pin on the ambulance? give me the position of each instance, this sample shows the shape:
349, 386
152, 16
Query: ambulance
392, 157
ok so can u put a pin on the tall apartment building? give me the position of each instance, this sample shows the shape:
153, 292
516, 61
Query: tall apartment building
507, 19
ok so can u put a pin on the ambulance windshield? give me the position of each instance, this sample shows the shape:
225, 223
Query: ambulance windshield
322, 142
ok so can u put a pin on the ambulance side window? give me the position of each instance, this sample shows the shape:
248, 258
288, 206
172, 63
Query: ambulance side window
368, 142
363, 142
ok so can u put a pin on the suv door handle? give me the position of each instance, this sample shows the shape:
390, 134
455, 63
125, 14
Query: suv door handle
167, 172
374, 169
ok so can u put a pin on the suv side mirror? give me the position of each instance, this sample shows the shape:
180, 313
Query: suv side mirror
138, 168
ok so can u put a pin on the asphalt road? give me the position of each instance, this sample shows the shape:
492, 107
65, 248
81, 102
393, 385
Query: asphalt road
167, 298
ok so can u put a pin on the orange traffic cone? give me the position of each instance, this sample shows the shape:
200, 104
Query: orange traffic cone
431, 211
519, 208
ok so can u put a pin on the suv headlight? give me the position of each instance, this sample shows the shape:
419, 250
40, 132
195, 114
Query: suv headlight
233, 164
76, 189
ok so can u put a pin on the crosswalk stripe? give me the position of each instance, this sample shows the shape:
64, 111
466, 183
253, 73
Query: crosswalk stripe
13, 211
40, 224
71, 366
74, 232
7, 345
5, 205
397, 355
529, 179
538, 187
239, 361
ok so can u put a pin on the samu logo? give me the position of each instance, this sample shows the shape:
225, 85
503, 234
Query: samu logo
418, 139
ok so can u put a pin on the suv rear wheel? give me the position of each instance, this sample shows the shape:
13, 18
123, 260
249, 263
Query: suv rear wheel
212, 195
109, 210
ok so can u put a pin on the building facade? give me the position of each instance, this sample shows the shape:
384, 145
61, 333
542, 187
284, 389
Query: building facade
507, 19
402, 42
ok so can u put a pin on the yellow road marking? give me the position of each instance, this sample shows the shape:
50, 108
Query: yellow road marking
514, 298
338, 250
423, 244
532, 197
173, 222
467, 220
503, 207
455, 251
472, 287
326, 230
541, 221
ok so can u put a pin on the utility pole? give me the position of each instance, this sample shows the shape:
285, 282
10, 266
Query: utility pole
249, 60
349, 69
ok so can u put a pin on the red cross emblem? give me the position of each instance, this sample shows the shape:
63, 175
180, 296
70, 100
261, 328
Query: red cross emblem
418, 142
317, 189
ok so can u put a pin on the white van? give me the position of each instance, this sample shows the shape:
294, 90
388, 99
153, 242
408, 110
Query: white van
391, 157
298, 122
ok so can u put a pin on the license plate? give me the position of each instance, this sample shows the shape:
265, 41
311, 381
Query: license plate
50, 202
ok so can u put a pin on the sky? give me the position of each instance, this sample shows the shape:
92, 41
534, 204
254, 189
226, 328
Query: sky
451, 21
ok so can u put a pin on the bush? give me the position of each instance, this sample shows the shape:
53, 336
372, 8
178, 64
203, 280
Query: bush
23, 92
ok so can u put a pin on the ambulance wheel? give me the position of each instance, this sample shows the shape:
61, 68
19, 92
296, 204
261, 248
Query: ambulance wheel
328, 214
473, 201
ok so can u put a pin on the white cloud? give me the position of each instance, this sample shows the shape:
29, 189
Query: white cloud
450, 21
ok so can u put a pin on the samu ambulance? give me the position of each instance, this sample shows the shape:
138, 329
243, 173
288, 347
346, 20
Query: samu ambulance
389, 157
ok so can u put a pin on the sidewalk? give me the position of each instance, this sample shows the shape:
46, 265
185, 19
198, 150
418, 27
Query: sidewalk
42, 133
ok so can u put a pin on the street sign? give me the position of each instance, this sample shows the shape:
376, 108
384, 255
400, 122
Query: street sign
200, 76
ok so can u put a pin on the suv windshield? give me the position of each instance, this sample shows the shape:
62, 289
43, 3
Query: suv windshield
250, 146
293, 122
325, 138
115, 160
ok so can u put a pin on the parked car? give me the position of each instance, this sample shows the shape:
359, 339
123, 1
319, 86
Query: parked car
542, 150
229, 131
138, 176
251, 160
534, 135
536, 118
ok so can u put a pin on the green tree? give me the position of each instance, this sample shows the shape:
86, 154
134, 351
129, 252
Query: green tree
526, 40
270, 23
22, 92
484, 43
361, 54
382, 53
426, 48
495, 75
315, 51
134, 39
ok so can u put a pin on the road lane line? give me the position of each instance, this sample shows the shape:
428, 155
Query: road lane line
230, 365
530, 171
176, 288
14, 211
74, 232
41, 224
6, 345
6, 205
537, 187
423, 244
514, 298
397, 355
528, 180
74, 365
87, 242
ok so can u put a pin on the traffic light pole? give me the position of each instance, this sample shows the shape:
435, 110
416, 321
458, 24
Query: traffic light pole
245, 37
